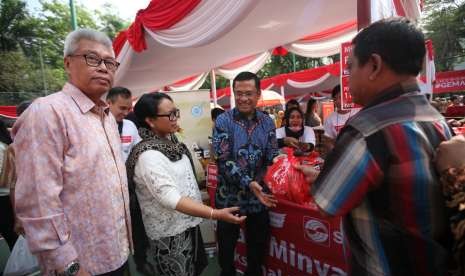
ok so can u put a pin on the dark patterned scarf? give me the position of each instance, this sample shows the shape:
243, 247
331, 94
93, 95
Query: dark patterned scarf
170, 147
173, 150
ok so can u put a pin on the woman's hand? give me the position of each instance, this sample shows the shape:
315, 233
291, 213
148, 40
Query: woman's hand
228, 214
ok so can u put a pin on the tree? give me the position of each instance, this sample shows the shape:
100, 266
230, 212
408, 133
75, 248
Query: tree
31, 46
285, 64
444, 25
16, 25
110, 23
54, 25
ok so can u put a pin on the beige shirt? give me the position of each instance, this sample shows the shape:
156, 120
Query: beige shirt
71, 190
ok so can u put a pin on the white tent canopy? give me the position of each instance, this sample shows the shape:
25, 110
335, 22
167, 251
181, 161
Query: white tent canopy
233, 30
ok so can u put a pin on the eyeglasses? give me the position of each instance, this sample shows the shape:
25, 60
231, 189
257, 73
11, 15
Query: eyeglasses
95, 61
172, 116
246, 94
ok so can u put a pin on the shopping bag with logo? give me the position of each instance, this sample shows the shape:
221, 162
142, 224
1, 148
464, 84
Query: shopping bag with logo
287, 182
21, 261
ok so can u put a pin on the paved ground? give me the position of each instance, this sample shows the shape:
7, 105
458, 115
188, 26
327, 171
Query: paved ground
211, 270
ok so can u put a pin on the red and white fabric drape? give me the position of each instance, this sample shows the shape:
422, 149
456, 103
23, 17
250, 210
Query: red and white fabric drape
251, 63
8, 111
324, 43
386, 8
184, 23
188, 84
207, 22
159, 15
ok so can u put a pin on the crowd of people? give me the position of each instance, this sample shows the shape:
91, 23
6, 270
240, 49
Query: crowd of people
90, 188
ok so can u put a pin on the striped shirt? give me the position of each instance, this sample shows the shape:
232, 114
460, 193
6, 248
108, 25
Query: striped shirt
381, 178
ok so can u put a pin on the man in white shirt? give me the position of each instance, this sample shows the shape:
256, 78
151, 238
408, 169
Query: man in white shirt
336, 120
120, 101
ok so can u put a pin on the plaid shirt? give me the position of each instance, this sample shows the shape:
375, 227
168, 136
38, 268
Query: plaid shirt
244, 148
380, 177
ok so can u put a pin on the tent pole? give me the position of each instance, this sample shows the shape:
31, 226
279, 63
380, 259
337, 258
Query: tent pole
282, 94
363, 13
231, 97
213, 87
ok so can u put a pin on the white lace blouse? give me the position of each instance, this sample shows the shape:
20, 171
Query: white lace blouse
160, 184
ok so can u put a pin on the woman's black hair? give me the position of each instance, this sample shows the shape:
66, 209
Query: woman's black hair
310, 104
292, 102
4, 134
288, 112
147, 107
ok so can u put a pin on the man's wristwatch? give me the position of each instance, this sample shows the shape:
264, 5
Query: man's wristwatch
71, 269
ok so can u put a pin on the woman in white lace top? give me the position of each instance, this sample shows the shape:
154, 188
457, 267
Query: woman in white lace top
161, 174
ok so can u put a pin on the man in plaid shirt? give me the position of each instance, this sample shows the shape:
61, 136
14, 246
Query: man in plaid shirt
380, 176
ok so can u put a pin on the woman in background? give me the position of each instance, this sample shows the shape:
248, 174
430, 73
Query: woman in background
311, 115
295, 134
6, 206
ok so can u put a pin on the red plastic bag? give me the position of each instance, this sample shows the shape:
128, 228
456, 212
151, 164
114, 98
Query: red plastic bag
286, 182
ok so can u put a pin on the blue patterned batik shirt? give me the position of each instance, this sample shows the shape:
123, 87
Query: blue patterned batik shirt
244, 148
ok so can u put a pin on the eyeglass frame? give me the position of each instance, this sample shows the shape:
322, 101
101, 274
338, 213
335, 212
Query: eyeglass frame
247, 95
172, 116
100, 60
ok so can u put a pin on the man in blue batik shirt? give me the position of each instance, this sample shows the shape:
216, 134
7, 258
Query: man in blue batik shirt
245, 144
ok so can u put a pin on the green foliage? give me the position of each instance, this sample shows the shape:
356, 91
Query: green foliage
31, 46
444, 24
16, 25
111, 23
285, 64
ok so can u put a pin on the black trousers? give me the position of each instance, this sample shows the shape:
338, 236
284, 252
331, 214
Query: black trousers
7, 221
122, 271
257, 233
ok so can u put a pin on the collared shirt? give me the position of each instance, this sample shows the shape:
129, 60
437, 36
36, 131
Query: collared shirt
381, 178
129, 137
71, 191
244, 148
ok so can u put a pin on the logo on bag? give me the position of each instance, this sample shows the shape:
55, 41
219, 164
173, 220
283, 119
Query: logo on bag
316, 230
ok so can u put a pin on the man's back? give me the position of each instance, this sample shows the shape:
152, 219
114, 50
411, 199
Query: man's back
388, 190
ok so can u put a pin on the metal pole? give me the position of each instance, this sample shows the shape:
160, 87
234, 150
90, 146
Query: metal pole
44, 82
282, 94
213, 86
293, 61
232, 100
73, 15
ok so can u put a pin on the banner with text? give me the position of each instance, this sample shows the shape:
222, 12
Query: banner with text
302, 243
346, 97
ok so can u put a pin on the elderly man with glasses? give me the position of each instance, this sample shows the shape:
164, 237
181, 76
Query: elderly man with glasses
71, 192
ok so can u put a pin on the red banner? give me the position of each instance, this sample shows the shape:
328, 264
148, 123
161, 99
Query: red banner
447, 82
326, 109
302, 243
346, 97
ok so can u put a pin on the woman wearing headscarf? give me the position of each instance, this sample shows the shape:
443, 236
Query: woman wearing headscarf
295, 134
161, 174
